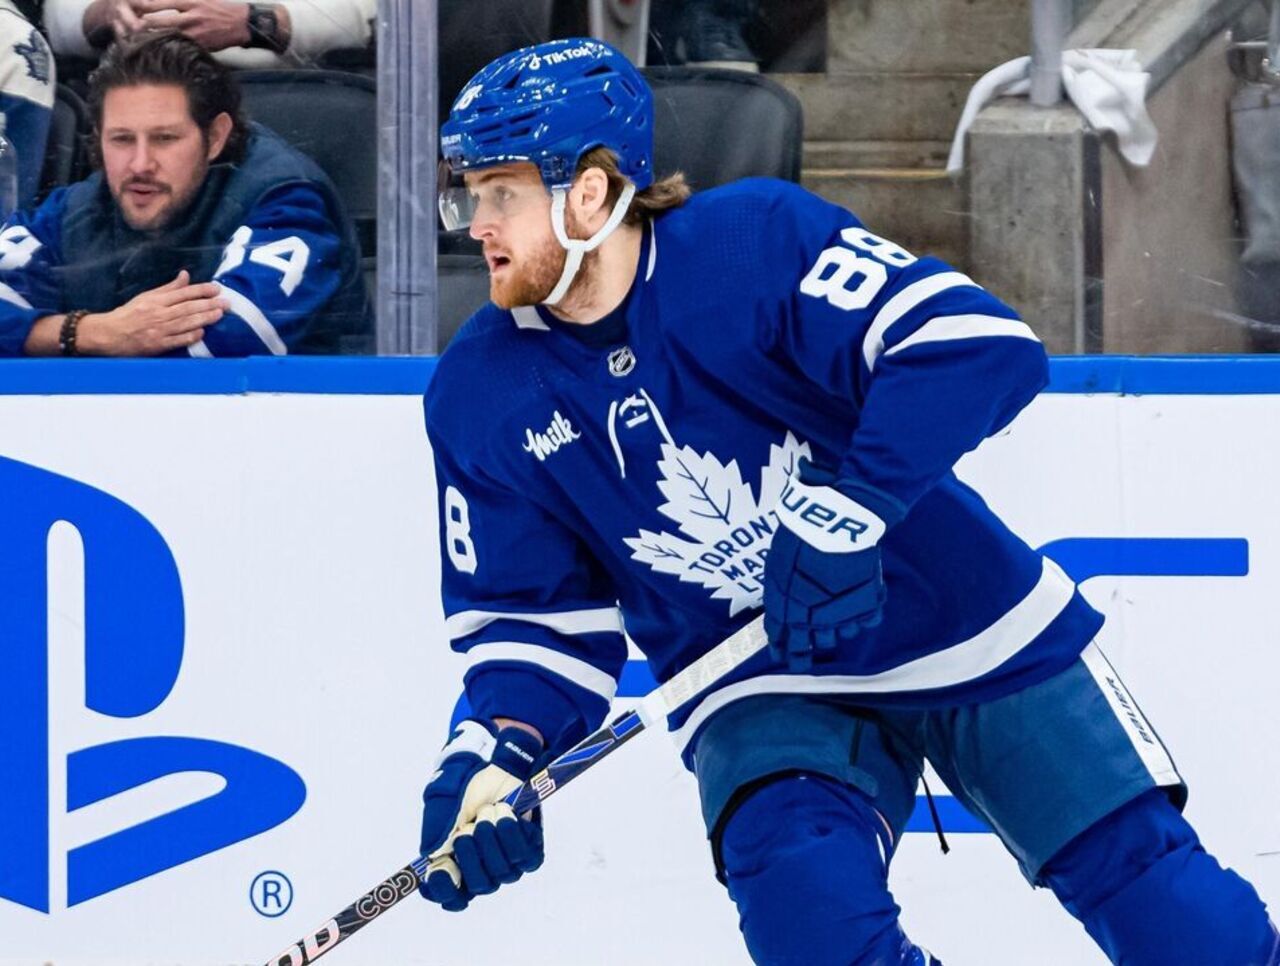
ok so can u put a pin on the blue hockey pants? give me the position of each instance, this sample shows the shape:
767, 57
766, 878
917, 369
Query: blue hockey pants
1148, 893
805, 859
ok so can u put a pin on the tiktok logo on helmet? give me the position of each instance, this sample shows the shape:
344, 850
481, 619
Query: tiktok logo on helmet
133, 647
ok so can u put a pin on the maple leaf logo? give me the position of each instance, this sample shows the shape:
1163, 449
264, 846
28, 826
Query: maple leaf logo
724, 529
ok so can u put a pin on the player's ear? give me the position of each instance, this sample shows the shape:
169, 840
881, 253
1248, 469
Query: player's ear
590, 196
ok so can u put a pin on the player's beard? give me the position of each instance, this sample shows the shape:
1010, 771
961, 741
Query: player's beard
531, 283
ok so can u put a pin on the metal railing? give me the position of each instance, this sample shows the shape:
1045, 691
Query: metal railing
1051, 21
1271, 66
406, 290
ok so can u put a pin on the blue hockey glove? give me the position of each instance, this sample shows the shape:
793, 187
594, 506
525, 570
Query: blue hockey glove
475, 841
822, 579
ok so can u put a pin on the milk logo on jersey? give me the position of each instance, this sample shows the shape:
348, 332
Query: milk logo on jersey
559, 433
621, 361
724, 528
133, 641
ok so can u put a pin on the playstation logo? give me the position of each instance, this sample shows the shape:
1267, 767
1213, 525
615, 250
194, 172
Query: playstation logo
133, 649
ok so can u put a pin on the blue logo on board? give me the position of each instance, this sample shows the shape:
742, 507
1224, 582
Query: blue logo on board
133, 634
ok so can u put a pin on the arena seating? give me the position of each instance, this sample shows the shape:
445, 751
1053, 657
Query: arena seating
332, 117
66, 157
721, 125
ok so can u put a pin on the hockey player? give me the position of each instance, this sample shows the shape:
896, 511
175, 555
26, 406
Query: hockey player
677, 410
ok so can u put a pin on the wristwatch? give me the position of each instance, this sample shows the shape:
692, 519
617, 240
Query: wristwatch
264, 27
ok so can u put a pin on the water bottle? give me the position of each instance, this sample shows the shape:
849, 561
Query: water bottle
8, 174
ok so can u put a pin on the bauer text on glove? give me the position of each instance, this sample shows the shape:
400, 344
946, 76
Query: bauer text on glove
475, 841
823, 582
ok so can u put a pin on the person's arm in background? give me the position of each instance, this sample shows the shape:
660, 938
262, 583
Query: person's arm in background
213, 24
27, 79
81, 28
278, 269
159, 321
29, 258
164, 319
321, 25
303, 29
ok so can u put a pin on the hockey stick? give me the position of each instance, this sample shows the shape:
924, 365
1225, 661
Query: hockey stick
653, 707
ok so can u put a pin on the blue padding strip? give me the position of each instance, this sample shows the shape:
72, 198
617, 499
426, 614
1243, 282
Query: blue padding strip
409, 375
1166, 375
356, 375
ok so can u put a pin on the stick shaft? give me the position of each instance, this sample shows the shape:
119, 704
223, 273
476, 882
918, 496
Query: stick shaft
715, 664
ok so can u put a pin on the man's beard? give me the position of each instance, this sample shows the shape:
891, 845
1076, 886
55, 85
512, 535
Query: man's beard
164, 217
531, 284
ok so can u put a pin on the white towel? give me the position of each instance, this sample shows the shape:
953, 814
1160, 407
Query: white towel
1108, 86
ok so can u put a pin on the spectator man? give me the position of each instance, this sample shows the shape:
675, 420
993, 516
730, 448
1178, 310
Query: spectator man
201, 234
286, 33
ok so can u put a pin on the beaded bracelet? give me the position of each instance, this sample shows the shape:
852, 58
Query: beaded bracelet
67, 337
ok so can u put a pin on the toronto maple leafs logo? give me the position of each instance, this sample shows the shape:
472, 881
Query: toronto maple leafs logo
36, 53
724, 528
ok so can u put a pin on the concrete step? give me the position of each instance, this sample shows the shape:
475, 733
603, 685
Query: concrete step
875, 154
925, 36
918, 207
879, 107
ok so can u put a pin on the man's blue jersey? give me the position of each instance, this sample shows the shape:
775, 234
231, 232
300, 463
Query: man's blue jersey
269, 230
623, 475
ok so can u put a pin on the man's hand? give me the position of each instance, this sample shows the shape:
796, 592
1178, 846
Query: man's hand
823, 582
213, 24
475, 841
173, 316
105, 20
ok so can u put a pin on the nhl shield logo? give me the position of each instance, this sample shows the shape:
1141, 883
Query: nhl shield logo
621, 361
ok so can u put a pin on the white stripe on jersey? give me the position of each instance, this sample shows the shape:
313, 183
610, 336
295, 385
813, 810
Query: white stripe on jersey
904, 302
598, 620
946, 328
199, 351
10, 295
572, 669
253, 316
966, 661
1140, 733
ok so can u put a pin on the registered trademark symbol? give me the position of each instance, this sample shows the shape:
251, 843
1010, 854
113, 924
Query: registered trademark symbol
271, 894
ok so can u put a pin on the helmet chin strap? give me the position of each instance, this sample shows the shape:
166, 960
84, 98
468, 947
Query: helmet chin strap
578, 247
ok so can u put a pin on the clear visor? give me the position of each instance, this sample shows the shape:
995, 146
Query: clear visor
492, 194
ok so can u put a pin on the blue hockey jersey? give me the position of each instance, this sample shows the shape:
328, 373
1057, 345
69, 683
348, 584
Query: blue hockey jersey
623, 476
269, 230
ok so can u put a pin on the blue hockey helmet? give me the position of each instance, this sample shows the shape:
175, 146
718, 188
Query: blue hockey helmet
550, 104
